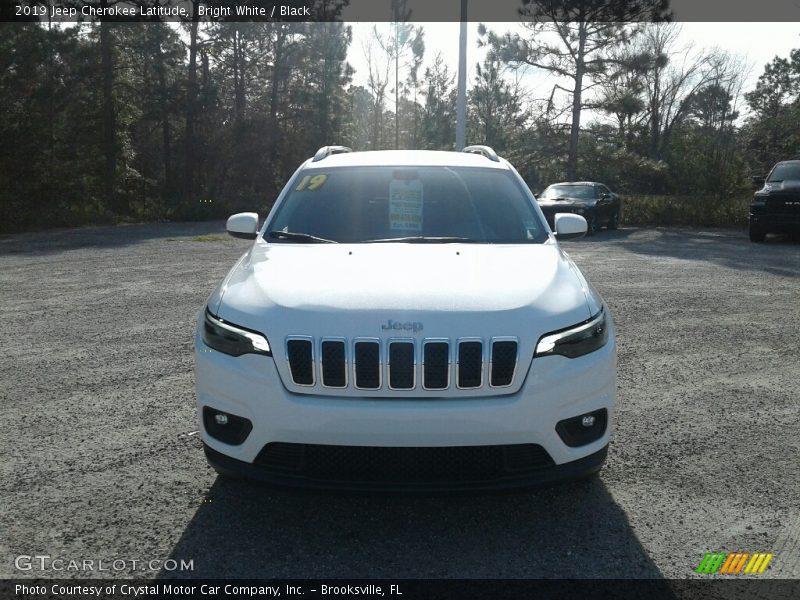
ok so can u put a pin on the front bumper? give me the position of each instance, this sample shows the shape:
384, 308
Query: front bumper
555, 388
774, 222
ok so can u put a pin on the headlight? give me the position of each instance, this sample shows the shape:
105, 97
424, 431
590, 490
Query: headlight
575, 341
233, 340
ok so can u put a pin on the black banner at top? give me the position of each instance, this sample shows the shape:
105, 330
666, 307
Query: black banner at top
405, 10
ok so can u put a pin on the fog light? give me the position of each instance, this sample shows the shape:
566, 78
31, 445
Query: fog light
226, 427
583, 429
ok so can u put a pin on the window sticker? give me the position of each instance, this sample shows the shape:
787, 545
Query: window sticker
311, 183
405, 204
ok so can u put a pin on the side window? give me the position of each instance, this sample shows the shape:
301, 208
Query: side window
601, 189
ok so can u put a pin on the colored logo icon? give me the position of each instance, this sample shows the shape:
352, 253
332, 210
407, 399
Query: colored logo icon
734, 563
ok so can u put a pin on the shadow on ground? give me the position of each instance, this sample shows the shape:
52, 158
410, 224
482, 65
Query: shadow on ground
778, 255
246, 530
604, 235
48, 242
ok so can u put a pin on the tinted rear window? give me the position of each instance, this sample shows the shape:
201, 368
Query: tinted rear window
362, 204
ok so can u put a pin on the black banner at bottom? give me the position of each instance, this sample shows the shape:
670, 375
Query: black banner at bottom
400, 589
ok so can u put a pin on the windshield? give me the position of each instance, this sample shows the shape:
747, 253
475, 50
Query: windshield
569, 191
785, 172
410, 204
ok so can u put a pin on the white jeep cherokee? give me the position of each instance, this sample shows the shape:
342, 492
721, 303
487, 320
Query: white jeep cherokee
405, 320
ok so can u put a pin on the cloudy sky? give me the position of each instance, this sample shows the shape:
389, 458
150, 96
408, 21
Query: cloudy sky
756, 43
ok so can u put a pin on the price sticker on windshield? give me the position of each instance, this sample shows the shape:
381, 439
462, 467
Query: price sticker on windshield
405, 204
310, 183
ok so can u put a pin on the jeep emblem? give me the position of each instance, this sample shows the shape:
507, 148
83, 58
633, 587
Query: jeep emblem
405, 325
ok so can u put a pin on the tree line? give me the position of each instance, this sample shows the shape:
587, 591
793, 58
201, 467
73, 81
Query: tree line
108, 122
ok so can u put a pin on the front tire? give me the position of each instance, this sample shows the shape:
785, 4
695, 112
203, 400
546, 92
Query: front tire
756, 233
614, 222
591, 223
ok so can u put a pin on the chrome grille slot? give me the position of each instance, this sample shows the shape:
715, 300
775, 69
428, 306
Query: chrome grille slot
401, 365
300, 353
412, 367
436, 365
504, 362
367, 359
470, 364
334, 369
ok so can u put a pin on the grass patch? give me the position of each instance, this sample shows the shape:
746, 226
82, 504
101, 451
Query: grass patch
211, 237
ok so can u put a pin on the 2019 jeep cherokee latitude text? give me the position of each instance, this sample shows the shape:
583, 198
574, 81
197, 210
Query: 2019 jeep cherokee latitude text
405, 320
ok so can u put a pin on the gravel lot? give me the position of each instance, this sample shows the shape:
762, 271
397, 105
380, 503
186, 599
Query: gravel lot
99, 462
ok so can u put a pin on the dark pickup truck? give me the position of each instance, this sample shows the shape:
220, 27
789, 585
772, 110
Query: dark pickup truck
776, 205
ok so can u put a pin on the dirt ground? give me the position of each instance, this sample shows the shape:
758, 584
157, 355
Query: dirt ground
99, 458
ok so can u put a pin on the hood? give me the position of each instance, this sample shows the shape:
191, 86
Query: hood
568, 201
354, 289
404, 290
788, 186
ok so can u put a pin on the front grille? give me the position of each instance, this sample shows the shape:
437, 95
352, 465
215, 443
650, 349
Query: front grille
401, 365
334, 368
368, 365
435, 364
400, 464
301, 361
783, 205
504, 360
470, 364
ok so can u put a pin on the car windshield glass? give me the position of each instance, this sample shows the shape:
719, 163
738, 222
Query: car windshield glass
785, 172
409, 204
569, 191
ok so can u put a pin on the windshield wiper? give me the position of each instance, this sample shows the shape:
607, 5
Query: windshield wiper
277, 234
424, 239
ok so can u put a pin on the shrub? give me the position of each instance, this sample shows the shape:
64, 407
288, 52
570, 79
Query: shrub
694, 211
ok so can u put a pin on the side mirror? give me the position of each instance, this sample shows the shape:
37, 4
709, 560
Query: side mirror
758, 181
569, 226
605, 196
243, 225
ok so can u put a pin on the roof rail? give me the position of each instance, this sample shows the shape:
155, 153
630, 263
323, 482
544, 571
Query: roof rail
486, 151
328, 150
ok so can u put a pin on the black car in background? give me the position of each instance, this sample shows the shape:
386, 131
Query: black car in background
776, 205
594, 201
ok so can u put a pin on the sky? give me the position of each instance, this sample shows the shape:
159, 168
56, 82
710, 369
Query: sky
756, 43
